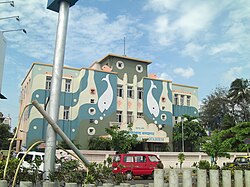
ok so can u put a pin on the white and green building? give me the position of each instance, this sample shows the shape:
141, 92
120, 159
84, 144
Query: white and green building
116, 90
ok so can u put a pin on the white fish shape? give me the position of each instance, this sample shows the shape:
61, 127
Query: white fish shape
106, 98
153, 106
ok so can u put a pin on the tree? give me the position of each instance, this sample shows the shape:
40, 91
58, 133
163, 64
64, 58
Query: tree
193, 133
214, 107
235, 136
121, 140
99, 143
181, 158
5, 134
239, 94
215, 147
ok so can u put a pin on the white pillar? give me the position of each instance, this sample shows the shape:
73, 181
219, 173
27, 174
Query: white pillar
187, 178
49, 184
159, 177
201, 178
71, 184
108, 185
238, 178
247, 177
173, 178
226, 178
3, 183
124, 184
26, 184
214, 178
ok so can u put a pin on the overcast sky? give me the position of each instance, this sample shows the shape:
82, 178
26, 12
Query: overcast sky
194, 42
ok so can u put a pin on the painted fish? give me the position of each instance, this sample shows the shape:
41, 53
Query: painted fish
153, 106
106, 98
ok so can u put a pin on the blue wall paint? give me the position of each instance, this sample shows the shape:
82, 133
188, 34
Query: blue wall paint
83, 112
66, 99
157, 92
179, 110
170, 94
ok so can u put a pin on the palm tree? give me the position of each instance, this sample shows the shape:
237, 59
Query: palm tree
239, 93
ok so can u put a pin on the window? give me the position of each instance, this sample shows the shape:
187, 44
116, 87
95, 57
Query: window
119, 64
188, 100
163, 117
67, 85
140, 159
129, 118
48, 83
92, 101
27, 158
139, 68
92, 111
92, 91
130, 92
119, 116
163, 108
66, 112
119, 90
128, 159
176, 99
139, 115
182, 100
163, 99
140, 93
116, 159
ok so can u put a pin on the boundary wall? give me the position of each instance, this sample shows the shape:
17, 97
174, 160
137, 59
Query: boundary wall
169, 159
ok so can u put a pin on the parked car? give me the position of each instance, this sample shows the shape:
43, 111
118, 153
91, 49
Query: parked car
239, 161
135, 165
30, 158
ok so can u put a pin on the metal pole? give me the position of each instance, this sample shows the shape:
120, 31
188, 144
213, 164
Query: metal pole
182, 135
50, 149
60, 132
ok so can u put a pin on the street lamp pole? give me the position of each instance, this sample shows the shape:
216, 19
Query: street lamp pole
54, 106
10, 2
24, 31
17, 18
182, 135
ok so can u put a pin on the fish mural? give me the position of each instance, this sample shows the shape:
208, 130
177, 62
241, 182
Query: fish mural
152, 104
106, 98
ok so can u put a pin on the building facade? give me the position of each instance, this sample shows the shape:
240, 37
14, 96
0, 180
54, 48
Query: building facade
116, 90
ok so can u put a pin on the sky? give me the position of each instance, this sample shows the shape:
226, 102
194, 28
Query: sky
192, 42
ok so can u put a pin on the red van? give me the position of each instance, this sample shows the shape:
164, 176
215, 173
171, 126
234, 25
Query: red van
135, 165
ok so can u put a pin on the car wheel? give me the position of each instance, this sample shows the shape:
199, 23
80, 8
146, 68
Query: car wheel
145, 177
129, 175
152, 175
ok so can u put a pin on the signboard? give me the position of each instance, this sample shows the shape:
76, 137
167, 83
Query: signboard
55, 4
149, 132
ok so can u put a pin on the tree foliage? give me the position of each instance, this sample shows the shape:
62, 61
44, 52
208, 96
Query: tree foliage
235, 137
214, 107
193, 133
215, 147
239, 94
225, 107
99, 143
5, 134
121, 140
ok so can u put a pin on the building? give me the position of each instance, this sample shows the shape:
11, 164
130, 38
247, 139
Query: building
116, 90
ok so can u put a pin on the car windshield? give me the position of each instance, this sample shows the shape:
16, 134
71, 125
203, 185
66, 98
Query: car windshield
153, 158
28, 158
116, 159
